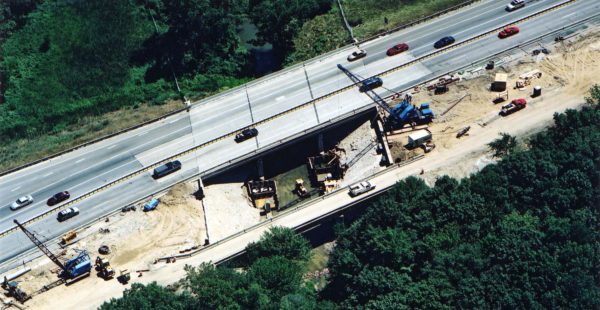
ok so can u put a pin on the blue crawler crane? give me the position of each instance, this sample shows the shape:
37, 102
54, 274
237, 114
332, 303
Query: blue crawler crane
73, 268
403, 113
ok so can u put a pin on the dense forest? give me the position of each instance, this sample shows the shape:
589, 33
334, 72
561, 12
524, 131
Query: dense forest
520, 234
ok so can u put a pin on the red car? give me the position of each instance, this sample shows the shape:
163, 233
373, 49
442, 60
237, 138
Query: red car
58, 197
397, 49
508, 31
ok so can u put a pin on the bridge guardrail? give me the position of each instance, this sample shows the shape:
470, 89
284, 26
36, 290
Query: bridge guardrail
253, 153
238, 88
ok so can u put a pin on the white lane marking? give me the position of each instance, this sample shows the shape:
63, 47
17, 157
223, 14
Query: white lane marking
142, 133
111, 147
566, 16
16, 188
279, 98
80, 160
173, 121
48, 174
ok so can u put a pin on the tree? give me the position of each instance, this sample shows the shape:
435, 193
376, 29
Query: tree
503, 145
279, 241
278, 21
149, 297
594, 97
200, 38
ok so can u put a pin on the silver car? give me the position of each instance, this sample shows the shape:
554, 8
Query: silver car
21, 202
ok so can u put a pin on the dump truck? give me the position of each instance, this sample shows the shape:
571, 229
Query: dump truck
514, 106
361, 188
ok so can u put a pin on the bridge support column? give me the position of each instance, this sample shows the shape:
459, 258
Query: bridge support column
321, 143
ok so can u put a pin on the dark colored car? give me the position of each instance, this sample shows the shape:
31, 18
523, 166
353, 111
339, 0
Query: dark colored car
370, 83
67, 214
246, 134
445, 41
397, 49
508, 31
58, 197
166, 169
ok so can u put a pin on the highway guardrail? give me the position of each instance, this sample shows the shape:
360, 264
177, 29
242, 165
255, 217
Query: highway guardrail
231, 134
240, 87
461, 68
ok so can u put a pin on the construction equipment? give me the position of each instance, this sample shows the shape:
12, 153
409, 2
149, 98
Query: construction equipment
301, 189
443, 82
104, 269
124, 276
402, 113
73, 268
68, 237
514, 106
526, 78
12, 287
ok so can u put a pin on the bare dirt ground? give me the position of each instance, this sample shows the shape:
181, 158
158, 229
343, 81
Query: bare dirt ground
360, 150
571, 68
567, 75
136, 239
228, 210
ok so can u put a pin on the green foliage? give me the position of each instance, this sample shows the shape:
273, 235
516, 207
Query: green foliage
200, 37
66, 62
149, 297
279, 241
503, 145
278, 21
522, 234
594, 97
321, 34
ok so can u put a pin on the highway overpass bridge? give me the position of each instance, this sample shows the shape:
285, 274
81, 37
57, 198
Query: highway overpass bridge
283, 106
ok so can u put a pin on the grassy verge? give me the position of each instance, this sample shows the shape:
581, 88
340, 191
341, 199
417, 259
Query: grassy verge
369, 18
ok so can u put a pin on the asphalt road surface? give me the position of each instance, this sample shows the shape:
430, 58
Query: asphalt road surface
88, 168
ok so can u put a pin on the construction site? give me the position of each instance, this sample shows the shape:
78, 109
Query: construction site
429, 120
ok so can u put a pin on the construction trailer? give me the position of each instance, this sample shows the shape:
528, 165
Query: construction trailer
263, 194
419, 138
500, 82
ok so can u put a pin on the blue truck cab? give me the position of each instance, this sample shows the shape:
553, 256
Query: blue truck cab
151, 205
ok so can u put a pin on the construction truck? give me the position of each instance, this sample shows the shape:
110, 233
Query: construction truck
361, 188
104, 269
513, 106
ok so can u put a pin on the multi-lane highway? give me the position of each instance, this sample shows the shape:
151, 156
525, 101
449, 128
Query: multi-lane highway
91, 167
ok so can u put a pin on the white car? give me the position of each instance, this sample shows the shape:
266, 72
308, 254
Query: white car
360, 188
515, 4
21, 202
357, 55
